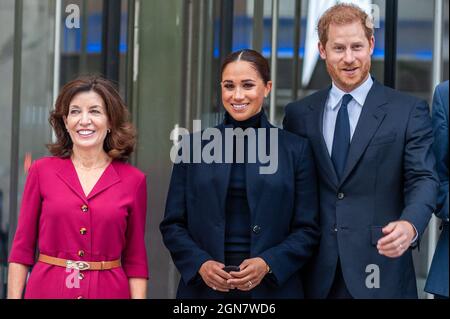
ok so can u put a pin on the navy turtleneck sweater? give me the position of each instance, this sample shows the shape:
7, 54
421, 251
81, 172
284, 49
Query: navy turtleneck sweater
237, 211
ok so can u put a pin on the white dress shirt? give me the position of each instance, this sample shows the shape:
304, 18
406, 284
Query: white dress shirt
354, 108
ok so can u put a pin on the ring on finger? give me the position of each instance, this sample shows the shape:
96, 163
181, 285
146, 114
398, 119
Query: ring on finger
250, 284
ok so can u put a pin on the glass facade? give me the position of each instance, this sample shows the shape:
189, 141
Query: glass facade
27, 62
6, 78
169, 58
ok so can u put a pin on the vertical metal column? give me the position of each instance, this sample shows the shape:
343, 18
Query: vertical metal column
129, 58
188, 25
56, 55
15, 120
84, 33
226, 28
390, 44
3, 252
296, 53
205, 96
258, 25
437, 43
273, 64
57, 50
226, 37
111, 39
436, 79
132, 60
202, 35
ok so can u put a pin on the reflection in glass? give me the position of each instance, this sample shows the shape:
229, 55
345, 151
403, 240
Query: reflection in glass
6, 78
81, 51
415, 47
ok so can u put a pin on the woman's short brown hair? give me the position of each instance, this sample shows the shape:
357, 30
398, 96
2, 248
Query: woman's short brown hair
119, 142
343, 13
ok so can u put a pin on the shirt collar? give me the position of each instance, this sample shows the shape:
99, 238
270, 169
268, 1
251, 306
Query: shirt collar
359, 94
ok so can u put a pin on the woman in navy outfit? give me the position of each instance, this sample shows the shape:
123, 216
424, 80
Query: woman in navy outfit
229, 213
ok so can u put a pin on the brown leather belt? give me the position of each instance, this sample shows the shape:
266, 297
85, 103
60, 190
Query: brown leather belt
78, 264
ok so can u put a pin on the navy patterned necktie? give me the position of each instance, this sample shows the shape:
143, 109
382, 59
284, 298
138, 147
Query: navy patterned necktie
341, 140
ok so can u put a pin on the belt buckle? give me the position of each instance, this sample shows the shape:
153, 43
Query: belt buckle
78, 265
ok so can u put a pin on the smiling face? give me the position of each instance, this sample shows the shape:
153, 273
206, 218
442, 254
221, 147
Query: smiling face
243, 90
347, 54
87, 121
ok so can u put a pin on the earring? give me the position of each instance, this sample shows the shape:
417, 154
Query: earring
108, 130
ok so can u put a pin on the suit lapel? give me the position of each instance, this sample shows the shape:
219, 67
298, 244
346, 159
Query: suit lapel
254, 183
68, 175
370, 119
254, 180
221, 173
319, 144
106, 180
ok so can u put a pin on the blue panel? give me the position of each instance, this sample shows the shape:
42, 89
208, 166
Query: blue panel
72, 37
420, 49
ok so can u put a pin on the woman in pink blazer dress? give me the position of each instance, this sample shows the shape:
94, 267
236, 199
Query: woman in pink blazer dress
84, 207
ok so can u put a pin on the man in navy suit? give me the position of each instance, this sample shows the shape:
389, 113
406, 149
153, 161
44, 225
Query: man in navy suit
373, 151
437, 282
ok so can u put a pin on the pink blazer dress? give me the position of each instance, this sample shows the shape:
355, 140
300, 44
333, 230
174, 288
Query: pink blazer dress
58, 219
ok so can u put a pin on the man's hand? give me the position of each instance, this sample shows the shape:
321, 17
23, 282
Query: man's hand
252, 272
213, 275
397, 239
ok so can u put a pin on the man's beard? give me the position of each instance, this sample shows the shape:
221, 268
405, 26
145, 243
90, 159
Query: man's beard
346, 83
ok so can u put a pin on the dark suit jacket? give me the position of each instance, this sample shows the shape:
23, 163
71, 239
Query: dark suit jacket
284, 218
389, 176
437, 282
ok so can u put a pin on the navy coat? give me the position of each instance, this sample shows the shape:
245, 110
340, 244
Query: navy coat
284, 218
389, 176
437, 282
